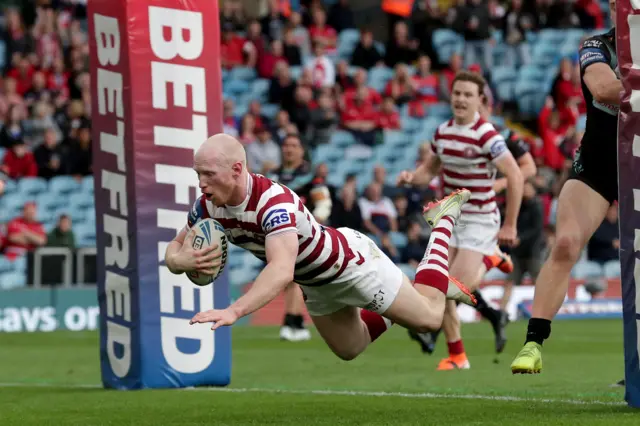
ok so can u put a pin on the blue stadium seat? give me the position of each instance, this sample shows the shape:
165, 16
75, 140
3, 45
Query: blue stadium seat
342, 138
242, 73
20, 265
64, 184
446, 42
587, 269
81, 200
396, 138
503, 74
379, 76
2, 152
440, 110
10, 185
270, 110
349, 36
411, 124
295, 71
30, 186
582, 123
545, 54
612, 269
532, 73
236, 87
408, 270
260, 89
495, 274
531, 96
551, 36
88, 184
242, 276
12, 202
398, 239
12, 280
50, 201
380, 47
5, 264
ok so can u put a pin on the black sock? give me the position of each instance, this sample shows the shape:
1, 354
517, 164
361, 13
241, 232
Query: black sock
289, 320
483, 307
298, 321
539, 329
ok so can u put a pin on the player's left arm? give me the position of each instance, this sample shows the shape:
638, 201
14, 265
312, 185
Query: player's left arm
282, 251
500, 155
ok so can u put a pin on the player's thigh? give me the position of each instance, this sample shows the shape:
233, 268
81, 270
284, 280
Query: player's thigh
412, 310
342, 330
466, 265
581, 210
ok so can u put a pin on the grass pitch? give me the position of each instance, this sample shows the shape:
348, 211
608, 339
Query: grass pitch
54, 379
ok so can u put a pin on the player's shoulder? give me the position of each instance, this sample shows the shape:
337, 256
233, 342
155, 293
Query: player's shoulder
599, 41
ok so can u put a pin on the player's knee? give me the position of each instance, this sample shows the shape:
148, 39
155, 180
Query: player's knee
347, 354
567, 247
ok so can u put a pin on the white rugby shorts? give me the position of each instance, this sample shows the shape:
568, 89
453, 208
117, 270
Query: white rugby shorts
371, 285
476, 232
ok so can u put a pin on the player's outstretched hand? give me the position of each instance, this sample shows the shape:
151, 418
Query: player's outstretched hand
404, 178
218, 317
508, 236
204, 260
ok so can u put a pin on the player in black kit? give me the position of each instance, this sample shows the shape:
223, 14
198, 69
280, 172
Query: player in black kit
586, 196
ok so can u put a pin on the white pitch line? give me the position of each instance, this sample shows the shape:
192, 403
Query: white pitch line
427, 395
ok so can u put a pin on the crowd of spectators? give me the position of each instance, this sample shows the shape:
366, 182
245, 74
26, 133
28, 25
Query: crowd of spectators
45, 101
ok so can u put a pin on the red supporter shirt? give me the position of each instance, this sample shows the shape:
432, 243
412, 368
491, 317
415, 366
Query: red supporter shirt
23, 82
426, 88
16, 167
362, 112
16, 226
390, 121
232, 51
327, 33
373, 98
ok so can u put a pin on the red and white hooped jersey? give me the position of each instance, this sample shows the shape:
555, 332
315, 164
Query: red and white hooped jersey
467, 154
271, 209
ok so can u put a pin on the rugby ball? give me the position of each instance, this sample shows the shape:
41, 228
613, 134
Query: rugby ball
208, 232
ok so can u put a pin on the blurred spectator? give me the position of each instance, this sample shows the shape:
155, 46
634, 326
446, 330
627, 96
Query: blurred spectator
324, 121
248, 130
604, 245
567, 87
38, 90
413, 252
24, 234
256, 42
255, 110
401, 88
62, 235
229, 121
346, 211
292, 52
300, 113
366, 55
13, 129
282, 88
360, 82
400, 49
50, 156
270, 59
18, 162
344, 80
448, 74
562, 14
426, 86
300, 34
478, 43
41, 122
515, 24
379, 177
388, 117
553, 128
264, 154
401, 203
282, 122
322, 69
235, 50
273, 23
80, 154
322, 33
378, 212
294, 171
360, 118
22, 74
232, 14
341, 16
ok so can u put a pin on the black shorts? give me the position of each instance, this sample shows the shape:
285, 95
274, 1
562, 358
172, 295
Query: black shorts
521, 266
599, 174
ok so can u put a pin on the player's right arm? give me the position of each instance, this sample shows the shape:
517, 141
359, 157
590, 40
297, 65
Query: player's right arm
181, 257
601, 80
423, 174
